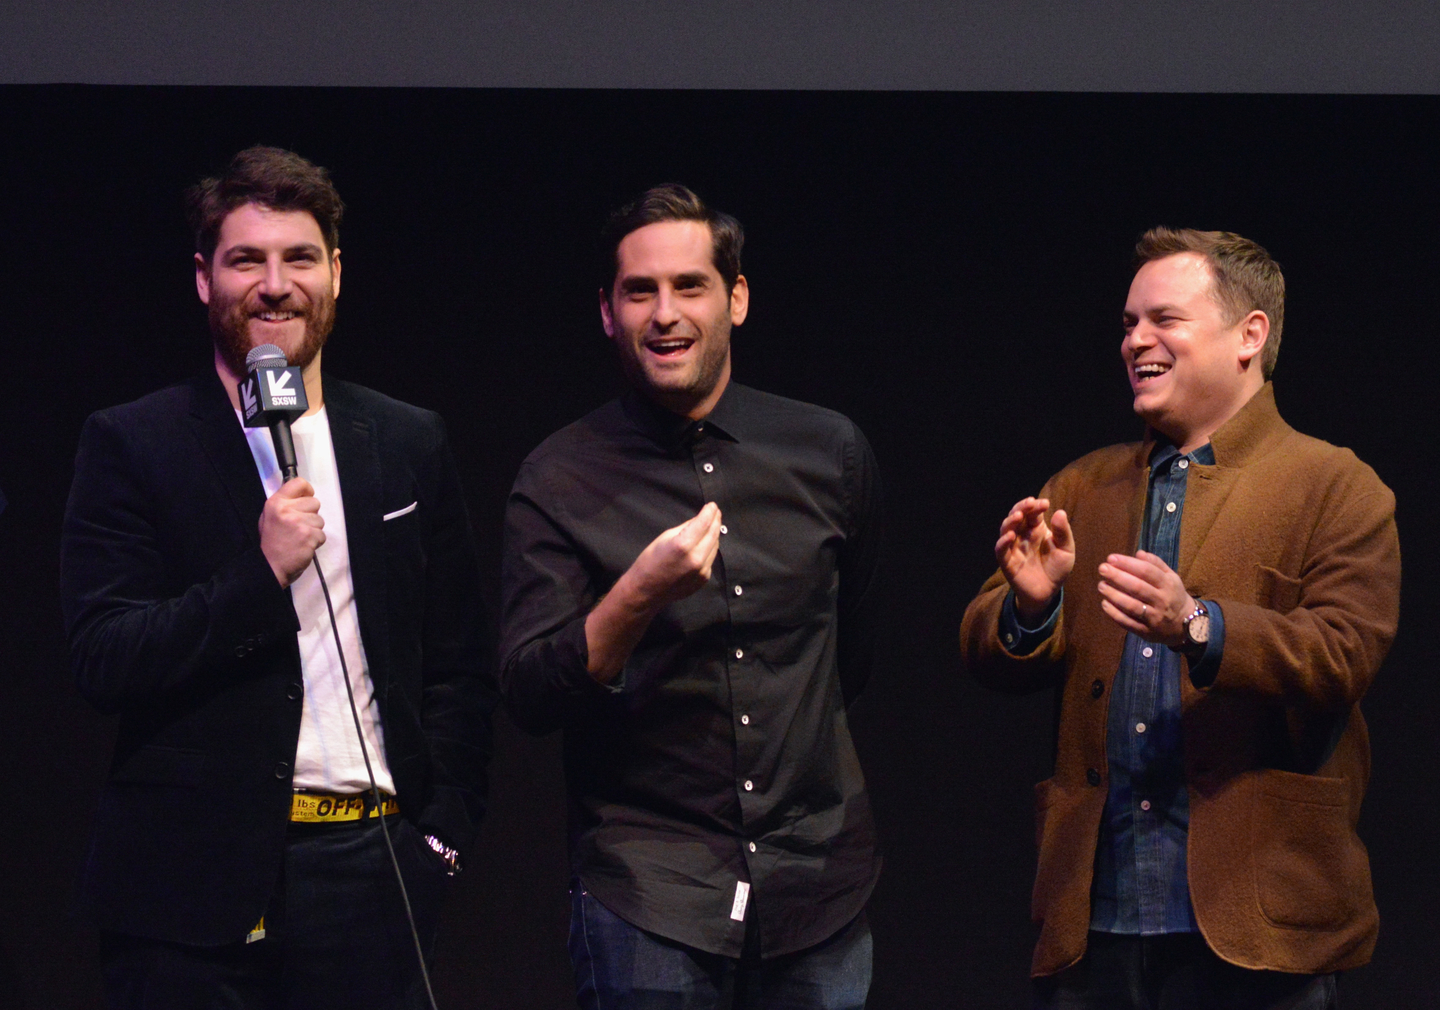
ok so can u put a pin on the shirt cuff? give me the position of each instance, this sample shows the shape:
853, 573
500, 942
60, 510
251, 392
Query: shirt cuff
573, 650
1204, 670
1020, 640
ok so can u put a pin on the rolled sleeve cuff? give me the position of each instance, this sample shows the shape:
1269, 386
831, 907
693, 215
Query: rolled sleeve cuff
1020, 640
572, 655
1204, 670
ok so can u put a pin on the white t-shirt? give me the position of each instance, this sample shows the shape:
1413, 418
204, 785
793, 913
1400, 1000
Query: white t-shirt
327, 758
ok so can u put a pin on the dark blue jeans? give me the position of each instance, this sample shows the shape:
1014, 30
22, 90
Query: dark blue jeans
335, 934
1177, 971
620, 967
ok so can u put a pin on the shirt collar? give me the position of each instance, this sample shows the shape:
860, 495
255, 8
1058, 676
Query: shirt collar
673, 432
1164, 453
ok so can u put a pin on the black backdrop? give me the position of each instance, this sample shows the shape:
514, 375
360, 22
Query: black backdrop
947, 269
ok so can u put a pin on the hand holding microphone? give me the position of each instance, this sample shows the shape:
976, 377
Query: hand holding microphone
291, 529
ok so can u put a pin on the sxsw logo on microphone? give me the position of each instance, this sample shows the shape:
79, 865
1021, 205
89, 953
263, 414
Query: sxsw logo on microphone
270, 391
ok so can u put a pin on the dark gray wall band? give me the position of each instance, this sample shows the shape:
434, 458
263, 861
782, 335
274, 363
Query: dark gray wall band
1256, 46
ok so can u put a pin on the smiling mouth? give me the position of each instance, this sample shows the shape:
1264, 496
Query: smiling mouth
1144, 373
277, 317
669, 348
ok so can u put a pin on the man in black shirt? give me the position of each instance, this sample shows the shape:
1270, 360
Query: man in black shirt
688, 592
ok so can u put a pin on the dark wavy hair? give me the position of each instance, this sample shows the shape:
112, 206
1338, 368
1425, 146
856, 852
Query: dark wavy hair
672, 202
271, 177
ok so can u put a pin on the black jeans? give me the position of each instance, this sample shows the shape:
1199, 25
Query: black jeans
1174, 972
335, 934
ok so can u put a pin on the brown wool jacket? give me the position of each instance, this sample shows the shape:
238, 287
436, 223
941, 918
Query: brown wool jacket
1295, 539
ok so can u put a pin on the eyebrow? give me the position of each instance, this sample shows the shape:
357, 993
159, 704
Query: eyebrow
250, 250
642, 282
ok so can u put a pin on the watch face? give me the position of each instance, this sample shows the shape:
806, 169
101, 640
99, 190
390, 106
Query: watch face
1197, 629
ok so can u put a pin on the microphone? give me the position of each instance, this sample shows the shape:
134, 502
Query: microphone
272, 396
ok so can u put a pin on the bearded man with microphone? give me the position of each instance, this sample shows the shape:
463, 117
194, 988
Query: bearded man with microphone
301, 680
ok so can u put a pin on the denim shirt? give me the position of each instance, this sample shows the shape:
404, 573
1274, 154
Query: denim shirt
1140, 884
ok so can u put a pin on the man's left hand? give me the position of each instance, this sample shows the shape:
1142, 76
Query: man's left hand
1144, 595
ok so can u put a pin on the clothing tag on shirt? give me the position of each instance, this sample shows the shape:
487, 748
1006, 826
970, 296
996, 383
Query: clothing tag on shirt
742, 898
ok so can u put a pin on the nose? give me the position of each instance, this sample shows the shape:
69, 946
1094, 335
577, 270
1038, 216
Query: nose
667, 308
276, 282
1137, 338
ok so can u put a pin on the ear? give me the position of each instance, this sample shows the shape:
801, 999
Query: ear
202, 279
739, 301
1254, 331
607, 318
335, 274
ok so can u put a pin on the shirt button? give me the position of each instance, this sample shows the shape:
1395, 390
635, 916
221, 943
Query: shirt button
1184, 464
709, 467
749, 786
295, 692
1169, 506
739, 653
1147, 652
1092, 776
1139, 727
1144, 804
282, 769
723, 529
1097, 688
752, 846
744, 720
738, 590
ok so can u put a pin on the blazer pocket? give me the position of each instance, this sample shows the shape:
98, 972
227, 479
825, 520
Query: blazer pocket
400, 512
1274, 590
1311, 871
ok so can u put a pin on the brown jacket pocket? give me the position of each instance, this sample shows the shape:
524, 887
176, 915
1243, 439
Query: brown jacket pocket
1311, 871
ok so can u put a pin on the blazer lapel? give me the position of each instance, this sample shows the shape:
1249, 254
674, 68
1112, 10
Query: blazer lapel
357, 458
212, 421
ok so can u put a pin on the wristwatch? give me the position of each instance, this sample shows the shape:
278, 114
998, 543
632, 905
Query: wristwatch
451, 856
1196, 629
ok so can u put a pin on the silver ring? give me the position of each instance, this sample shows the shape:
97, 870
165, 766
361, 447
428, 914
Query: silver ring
1143, 609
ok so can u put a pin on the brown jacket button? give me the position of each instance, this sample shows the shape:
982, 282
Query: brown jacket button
1097, 688
1092, 776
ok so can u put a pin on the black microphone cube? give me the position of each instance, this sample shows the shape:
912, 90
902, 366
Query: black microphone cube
271, 393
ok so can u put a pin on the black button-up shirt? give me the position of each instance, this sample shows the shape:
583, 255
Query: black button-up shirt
721, 756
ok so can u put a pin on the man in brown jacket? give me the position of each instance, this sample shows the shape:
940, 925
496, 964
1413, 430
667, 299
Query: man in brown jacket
1197, 842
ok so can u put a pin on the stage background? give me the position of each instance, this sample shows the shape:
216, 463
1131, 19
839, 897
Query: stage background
947, 269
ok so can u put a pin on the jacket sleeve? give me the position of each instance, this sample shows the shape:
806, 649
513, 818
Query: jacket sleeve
546, 594
458, 678
133, 633
984, 655
1318, 640
858, 604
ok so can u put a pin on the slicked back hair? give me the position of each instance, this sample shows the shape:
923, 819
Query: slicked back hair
672, 202
1243, 276
271, 177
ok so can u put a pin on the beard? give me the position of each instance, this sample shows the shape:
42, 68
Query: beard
230, 329
694, 383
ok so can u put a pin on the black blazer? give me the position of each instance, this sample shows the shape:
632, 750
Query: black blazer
177, 623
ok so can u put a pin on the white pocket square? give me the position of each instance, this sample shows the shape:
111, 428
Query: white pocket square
400, 512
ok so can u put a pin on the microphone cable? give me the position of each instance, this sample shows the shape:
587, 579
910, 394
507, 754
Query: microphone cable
374, 789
